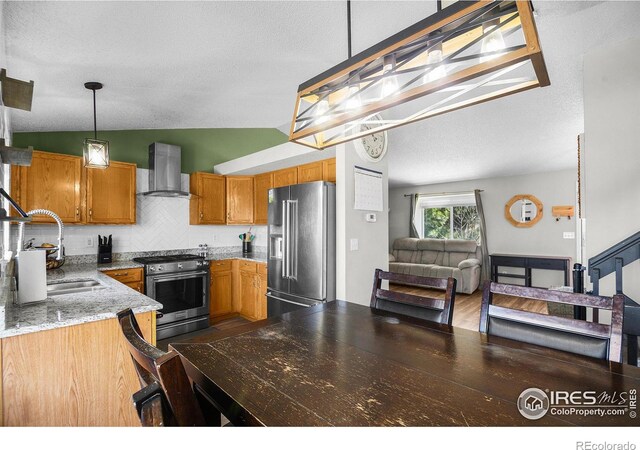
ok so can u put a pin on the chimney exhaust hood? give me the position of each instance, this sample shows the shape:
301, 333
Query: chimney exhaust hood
164, 171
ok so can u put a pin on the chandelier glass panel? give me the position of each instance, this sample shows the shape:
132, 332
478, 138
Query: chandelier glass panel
465, 54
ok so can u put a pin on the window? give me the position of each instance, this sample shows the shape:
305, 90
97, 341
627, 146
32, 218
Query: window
448, 217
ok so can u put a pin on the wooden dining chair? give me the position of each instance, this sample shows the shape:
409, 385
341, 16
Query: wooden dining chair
153, 407
166, 369
575, 336
421, 307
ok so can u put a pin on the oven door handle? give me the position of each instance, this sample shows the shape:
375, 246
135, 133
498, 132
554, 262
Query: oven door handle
157, 278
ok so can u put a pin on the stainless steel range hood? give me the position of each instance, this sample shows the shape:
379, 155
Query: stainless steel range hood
164, 171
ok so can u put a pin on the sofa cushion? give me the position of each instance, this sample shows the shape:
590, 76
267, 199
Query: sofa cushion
425, 270
459, 245
437, 245
406, 244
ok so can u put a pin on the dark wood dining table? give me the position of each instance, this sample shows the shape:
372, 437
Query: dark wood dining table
343, 364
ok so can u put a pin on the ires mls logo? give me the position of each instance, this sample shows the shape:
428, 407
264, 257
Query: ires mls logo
534, 403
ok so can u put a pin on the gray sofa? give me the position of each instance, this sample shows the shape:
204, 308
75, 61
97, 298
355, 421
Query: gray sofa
439, 258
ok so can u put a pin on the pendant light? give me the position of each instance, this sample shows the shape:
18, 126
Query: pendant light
95, 151
465, 54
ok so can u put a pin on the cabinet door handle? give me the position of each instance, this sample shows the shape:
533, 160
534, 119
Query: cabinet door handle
121, 274
91, 212
77, 211
201, 215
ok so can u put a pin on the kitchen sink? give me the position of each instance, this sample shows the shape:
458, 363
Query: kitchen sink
74, 287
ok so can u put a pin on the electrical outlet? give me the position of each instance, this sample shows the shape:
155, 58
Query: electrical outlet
89, 241
354, 244
213, 238
568, 235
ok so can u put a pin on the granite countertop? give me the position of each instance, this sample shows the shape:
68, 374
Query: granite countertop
72, 309
256, 256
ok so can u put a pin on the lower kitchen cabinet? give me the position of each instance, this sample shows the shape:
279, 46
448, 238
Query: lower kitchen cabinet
134, 278
221, 289
238, 287
248, 294
79, 375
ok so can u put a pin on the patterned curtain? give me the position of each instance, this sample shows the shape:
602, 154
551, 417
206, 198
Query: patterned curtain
413, 231
486, 270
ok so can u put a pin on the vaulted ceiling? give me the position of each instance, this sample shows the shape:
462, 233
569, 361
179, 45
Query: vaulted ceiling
238, 64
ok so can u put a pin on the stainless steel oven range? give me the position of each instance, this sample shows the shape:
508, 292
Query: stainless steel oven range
181, 284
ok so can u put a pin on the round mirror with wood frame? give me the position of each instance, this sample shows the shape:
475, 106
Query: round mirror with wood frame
523, 210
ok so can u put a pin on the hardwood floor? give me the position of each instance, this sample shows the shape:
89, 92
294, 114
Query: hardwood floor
466, 310
222, 325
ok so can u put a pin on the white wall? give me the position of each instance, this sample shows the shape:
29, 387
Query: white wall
612, 154
355, 268
162, 224
544, 238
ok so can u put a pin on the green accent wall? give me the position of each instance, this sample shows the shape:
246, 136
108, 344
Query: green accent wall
202, 148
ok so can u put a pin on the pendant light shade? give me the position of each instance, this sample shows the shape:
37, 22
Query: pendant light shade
95, 151
468, 53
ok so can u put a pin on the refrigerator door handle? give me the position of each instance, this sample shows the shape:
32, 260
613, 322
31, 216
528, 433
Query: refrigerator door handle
292, 271
285, 239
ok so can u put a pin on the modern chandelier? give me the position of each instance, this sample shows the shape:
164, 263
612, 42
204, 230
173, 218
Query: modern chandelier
467, 53
95, 151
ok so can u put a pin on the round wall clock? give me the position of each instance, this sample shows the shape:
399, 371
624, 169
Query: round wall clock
371, 147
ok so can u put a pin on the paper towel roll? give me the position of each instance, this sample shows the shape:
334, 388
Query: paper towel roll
32, 276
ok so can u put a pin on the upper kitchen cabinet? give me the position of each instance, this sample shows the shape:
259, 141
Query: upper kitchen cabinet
52, 182
285, 177
329, 170
207, 204
239, 192
111, 194
261, 185
310, 172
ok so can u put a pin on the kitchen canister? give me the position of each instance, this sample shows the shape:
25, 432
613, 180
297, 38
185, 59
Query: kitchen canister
32, 276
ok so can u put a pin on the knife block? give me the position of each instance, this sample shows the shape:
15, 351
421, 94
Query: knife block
104, 254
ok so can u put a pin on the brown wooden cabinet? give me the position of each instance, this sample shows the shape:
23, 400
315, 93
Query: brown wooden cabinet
80, 375
61, 184
261, 185
221, 289
134, 278
329, 170
239, 192
207, 203
310, 172
261, 308
285, 177
52, 182
248, 294
111, 194
238, 286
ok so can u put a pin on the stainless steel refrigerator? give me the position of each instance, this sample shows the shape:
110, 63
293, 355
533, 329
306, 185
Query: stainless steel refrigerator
301, 246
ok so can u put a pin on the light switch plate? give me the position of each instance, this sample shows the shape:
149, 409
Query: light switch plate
354, 244
89, 241
370, 217
568, 235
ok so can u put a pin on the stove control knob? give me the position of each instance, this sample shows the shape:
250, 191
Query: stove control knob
179, 265
199, 264
152, 269
160, 268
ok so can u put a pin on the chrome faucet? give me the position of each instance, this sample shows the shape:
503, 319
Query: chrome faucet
43, 212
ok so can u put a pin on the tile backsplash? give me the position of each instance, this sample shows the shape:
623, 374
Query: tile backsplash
162, 224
